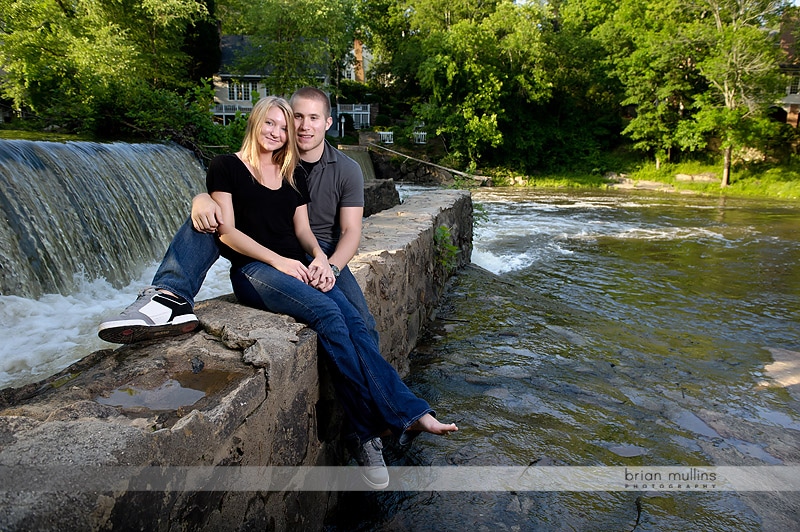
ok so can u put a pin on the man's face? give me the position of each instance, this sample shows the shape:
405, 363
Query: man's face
311, 123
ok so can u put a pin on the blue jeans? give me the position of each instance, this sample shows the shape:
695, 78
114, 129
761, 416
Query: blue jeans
189, 257
352, 291
372, 394
191, 254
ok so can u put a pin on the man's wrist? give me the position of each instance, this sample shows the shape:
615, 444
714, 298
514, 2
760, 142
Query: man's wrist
335, 270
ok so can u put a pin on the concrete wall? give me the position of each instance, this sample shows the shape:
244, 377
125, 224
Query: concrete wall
247, 390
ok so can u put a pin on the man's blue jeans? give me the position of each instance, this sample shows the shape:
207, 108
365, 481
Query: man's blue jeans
371, 392
191, 254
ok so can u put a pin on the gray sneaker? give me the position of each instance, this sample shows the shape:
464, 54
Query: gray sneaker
153, 315
373, 469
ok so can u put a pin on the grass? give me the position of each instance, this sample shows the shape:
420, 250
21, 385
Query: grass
23, 134
758, 180
504, 177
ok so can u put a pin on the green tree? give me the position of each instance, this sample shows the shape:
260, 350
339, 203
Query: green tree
655, 58
60, 58
742, 68
462, 74
202, 45
696, 71
442, 15
55, 55
578, 119
477, 65
397, 52
302, 42
157, 30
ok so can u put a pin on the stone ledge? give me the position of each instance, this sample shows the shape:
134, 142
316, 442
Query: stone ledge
246, 390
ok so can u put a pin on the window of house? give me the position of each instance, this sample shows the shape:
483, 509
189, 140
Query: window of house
242, 91
794, 86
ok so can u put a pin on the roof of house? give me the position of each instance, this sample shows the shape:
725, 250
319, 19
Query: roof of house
232, 47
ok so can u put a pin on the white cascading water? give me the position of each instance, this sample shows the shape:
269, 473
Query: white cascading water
85, 226
100, 210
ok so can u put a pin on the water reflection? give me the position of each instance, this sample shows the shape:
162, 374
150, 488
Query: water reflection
610, 329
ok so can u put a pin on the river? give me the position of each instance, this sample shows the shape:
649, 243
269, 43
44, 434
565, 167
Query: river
610, 329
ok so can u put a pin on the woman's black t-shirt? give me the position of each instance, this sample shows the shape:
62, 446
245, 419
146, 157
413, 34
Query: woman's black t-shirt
263, 214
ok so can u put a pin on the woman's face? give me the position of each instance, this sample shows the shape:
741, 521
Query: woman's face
273, 130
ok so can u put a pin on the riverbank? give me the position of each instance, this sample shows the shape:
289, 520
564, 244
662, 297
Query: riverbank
776, 182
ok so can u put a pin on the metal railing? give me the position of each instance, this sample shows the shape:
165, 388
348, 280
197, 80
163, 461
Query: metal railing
354, 107
231, 108
359, 111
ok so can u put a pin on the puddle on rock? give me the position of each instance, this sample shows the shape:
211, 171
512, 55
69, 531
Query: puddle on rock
627, 450
184, 390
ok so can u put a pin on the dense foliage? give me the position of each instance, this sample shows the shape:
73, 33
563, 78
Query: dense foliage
531, 86
540, 85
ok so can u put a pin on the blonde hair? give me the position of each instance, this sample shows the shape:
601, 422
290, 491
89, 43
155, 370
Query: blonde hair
286, 156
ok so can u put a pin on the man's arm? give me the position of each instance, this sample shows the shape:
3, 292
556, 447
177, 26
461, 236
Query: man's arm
347, 247
206, 213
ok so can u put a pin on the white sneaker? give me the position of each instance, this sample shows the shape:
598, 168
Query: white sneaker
153, 315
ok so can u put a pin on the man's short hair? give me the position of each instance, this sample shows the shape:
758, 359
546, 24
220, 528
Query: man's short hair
313, 93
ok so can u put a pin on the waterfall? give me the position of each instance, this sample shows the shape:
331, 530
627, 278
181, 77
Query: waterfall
360, 155
90, 210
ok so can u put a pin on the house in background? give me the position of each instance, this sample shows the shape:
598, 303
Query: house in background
235, 93
363, 114
789, 110
360, 60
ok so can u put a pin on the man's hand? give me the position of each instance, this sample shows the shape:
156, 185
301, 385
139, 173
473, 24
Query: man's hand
206, 214
322, 277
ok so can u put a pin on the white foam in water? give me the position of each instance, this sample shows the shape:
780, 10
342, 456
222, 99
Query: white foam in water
517, 232
497, 263
43, 336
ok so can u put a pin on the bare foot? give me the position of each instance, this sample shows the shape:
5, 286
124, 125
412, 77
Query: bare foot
428, 423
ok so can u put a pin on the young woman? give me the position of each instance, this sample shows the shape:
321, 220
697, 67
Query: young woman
266, 236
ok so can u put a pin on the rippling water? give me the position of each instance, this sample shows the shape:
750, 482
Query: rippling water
610, 329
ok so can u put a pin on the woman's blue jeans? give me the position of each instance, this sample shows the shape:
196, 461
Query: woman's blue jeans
191, 254
370, 389
182, 271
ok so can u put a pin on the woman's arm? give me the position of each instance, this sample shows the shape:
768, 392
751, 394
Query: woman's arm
320, 269
240, 242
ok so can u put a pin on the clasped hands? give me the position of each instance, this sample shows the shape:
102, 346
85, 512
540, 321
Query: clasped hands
320, 275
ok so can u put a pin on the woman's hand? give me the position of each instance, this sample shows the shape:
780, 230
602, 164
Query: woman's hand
292, 267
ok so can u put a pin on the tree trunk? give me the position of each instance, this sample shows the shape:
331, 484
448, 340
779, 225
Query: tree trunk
726, 167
